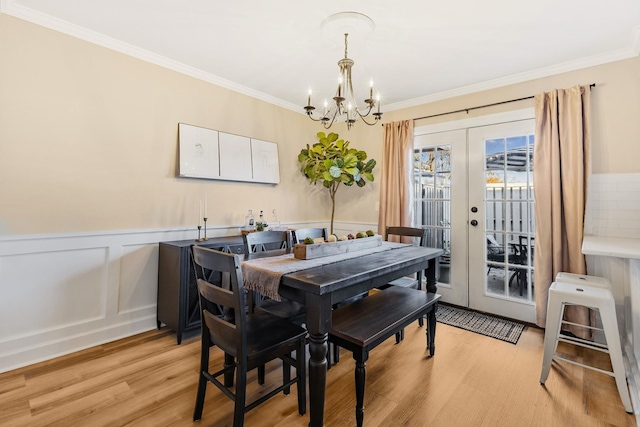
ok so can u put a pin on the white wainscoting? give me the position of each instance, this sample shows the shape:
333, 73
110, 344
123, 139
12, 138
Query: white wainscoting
66, 292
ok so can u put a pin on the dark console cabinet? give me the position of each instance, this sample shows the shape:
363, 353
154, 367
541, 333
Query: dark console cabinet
177, 290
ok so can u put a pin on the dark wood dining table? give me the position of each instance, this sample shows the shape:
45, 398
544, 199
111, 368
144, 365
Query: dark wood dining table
321, 287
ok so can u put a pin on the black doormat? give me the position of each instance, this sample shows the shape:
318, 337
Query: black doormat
484, 324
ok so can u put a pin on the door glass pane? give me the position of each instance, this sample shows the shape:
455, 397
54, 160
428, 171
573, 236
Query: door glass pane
518, 216
494, 214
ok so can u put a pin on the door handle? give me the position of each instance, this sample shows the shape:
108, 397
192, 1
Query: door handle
474, 222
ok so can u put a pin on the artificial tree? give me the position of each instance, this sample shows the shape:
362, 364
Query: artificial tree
331, 161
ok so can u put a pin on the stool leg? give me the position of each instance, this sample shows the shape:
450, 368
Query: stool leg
555, 310
610, 326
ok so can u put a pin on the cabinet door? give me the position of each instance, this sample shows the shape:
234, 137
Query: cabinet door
236, 249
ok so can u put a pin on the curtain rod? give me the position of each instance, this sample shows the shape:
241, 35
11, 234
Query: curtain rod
483, 106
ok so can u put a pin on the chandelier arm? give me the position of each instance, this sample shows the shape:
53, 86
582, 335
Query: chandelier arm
311, 117
362, 116
327, 124
377, 117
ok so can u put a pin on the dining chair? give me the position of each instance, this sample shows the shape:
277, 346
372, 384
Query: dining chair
265, 241
249, 340
261, 241
419, 237
300, 234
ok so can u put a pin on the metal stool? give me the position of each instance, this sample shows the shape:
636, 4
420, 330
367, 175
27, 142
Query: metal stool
596, 297
583, 279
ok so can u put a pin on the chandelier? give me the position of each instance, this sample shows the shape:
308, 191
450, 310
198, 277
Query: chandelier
344, 103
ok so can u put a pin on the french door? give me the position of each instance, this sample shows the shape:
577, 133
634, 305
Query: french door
501, 219
473, 192
440, 189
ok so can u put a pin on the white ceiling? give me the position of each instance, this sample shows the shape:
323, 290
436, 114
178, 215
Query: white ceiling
419, 51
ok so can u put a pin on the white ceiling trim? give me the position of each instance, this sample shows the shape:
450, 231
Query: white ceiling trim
631, 51
11, 8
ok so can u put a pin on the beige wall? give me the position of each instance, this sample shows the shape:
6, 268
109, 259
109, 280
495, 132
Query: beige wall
88, 138
89, 141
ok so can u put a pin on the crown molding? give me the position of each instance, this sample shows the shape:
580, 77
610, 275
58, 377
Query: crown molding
590, 61
11, 8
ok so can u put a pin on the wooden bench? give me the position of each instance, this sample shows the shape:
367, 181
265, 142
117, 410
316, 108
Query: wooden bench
362, 325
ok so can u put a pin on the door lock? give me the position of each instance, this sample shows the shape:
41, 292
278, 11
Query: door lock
474, 209
474, 222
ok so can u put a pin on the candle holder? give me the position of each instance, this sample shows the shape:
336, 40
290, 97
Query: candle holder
199, 239
205, 229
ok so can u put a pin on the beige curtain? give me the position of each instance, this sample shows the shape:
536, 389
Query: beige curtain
561, 159
395, 179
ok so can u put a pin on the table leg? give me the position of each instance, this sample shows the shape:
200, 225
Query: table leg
318, 324
431, 276
317, 378
431, 330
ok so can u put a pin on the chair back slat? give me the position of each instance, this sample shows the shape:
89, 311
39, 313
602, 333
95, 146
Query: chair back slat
217, 295
261, 241
300, 234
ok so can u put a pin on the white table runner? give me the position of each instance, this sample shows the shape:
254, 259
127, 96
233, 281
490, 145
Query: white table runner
264, 274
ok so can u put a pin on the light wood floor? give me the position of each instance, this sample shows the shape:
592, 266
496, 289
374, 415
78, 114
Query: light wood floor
473, 380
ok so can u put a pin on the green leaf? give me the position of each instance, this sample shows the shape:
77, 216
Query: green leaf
339, 162
302, 156
361, 183
346, 179
328, 163
350, 161
332, 137
327, 184
327, 176
368, 175
369, 166
361, 155
352, 171
335, 171
317, 149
